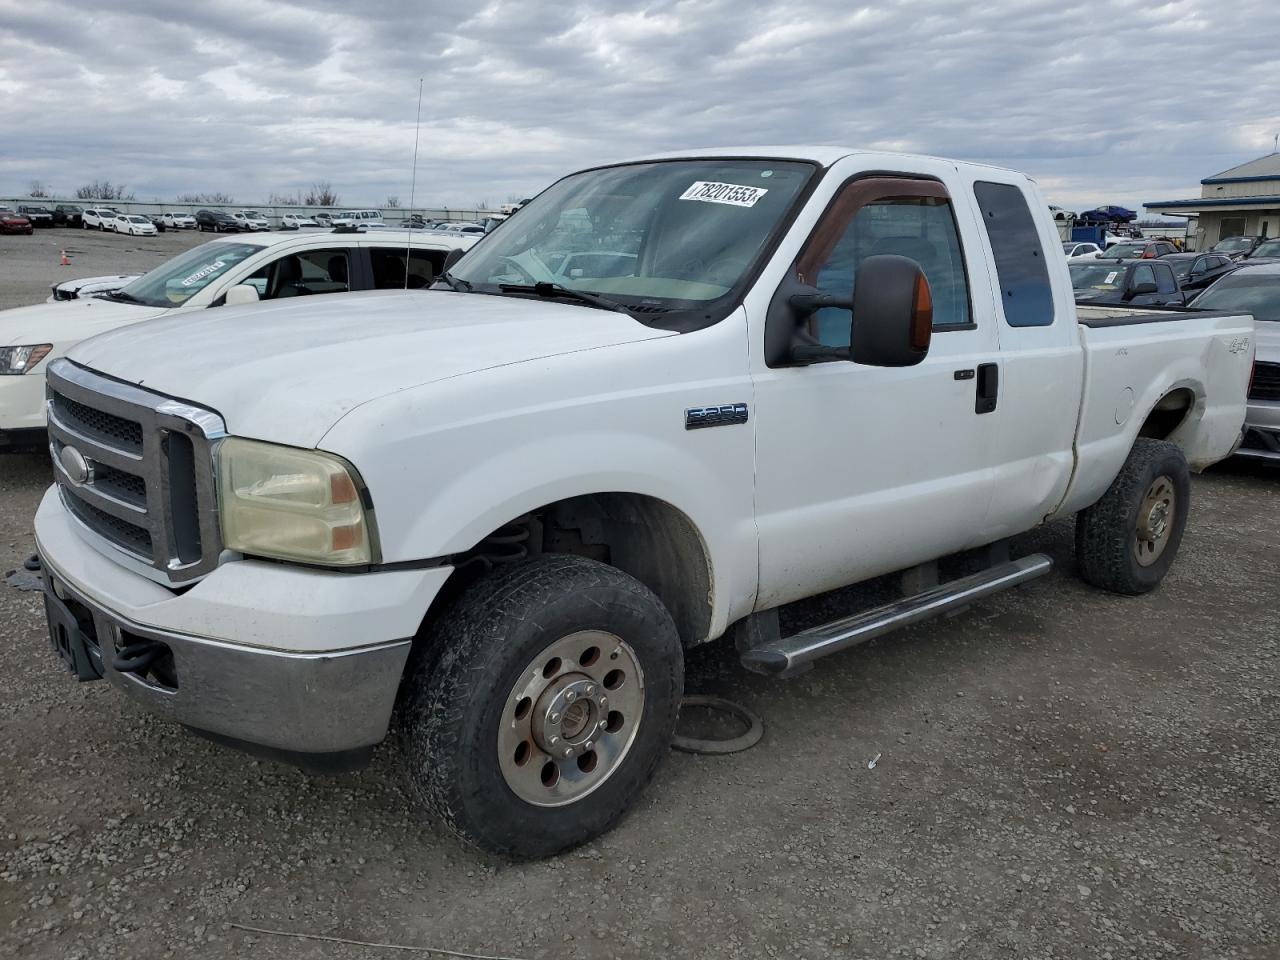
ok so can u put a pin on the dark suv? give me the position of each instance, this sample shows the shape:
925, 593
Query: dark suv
217, 221
67, 215
39, 216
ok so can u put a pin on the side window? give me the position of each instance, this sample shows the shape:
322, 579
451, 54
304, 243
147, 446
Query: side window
1015, 244
300, 274
389, 267
1165, 281
886, 216
1142, 274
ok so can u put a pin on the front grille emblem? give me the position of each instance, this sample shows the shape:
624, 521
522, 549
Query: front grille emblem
79, 471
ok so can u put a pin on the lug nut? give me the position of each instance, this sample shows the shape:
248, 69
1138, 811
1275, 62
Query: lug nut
590, 690
570, 697
555, 718
604, 701
588, 745
568, 751
554, 740
602, 724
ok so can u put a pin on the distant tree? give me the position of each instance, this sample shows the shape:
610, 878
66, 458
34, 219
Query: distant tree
392, 202
285, 199
37, 189
482, 205
321, 195
216, 196
102, 190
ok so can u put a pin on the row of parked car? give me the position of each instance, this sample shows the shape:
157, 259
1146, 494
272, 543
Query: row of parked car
1156, 273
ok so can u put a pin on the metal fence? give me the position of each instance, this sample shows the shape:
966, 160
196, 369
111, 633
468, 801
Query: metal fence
272, 212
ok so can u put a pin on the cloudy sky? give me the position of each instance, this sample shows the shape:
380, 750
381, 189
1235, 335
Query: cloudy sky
1114, 102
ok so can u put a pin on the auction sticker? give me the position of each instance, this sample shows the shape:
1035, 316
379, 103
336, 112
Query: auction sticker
733, 194
203, 272
1111, 277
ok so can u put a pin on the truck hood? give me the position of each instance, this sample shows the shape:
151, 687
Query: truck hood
286, 371
59, 322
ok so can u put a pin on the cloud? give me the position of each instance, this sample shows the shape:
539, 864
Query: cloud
1120, 103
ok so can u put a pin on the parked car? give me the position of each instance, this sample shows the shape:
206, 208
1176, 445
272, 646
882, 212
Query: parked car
1255, 289
1265, 250
263, 266
67, 215
1074, 250
38, 215
1195, 271
98, 218
1132, 282
1237, 247
358, 218
252, 221
1107, 214
1139, 250
296, 221
323, 219
219, 221
13, 222
89, 286
576, 481
178, 221
134, 224
157, 221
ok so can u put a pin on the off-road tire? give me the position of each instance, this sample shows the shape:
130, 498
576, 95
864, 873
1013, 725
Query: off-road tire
1106, 531
455, 696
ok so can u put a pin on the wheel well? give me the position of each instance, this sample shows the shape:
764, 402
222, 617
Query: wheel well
1168, 414
642, 536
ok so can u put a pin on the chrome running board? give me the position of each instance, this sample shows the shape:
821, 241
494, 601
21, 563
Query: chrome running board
789, 654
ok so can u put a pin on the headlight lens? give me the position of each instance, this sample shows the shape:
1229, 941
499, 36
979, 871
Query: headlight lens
17, 360
291, 504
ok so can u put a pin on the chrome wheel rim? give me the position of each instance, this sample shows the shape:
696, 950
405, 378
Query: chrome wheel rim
1155, 521
571, 718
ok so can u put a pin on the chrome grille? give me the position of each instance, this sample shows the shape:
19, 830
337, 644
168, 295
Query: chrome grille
139, 472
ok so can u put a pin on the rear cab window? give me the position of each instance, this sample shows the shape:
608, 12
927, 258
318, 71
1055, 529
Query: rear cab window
1025, 292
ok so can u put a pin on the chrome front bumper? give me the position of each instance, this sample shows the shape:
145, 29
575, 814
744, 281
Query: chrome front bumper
1261, 431
324, 710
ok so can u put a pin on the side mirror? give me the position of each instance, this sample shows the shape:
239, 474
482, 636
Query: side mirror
451, 258
242, 293
891, 321
1142, 288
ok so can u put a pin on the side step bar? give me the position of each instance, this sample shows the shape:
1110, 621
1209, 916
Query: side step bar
790, 654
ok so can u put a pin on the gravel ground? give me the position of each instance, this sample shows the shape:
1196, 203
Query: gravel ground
1062, 773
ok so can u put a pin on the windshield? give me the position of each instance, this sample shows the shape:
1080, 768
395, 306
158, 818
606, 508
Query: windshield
1126, 251
655, 237
138, 220
1182, 268
1233, 245
1268, 248
175, 282
1241, 293
1096, 276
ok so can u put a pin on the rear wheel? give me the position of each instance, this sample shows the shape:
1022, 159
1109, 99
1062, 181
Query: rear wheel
1126, 541
549, 705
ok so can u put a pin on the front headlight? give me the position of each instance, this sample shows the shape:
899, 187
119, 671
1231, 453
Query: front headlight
17, 360
292, 504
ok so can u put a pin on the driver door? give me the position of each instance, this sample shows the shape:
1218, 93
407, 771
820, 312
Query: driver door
864, 470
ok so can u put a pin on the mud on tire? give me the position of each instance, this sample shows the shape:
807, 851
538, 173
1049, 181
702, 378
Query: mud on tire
475, 714
1126, 541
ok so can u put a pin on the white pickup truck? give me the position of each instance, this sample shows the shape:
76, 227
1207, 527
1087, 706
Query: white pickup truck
499, 510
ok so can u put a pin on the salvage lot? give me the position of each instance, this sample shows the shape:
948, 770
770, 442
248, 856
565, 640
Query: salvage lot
1062, 773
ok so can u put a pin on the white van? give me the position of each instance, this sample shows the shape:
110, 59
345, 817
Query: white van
359, 219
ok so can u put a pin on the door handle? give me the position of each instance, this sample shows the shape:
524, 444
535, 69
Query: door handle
988, 388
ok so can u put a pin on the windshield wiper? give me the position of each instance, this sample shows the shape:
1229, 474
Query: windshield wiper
544, 289
455, 283
123, 297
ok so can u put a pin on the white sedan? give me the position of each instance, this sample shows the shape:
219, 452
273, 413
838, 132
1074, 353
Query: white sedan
295, 221
178, 221
1079, 251
133, 225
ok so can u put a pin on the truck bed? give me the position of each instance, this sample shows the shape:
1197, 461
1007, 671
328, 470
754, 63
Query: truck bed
1097, 316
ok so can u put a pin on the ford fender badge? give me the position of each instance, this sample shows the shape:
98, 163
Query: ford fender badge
696, 418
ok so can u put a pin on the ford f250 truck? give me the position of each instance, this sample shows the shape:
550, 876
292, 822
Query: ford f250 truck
667, 398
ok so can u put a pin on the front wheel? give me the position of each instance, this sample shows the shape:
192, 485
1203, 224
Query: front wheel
550, 700
1126, 541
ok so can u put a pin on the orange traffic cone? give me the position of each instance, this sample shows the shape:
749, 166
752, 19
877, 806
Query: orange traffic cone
65, 262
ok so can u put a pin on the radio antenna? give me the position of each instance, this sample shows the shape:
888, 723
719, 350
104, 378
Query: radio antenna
413, 185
